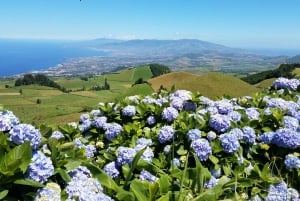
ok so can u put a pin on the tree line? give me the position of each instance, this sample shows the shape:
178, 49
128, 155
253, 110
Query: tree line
284, 70
158, 69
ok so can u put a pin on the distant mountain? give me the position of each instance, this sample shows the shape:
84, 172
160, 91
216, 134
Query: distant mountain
294, 60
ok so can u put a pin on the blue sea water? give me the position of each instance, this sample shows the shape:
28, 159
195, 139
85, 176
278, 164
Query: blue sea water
22, 56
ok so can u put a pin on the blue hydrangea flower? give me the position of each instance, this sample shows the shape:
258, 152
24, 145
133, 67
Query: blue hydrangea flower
95, 113
237, 132
144, 142
292, 161
84, 126
182, 94
177, 103
230, 142
84, 117
290, 122
129, 111
202, 148
25, 132
211, 135
211, 182
223, 106
147, 176
286, 138
7, 120
50, 192
57, 135
206, 101
252, 113
194, 134
249, 134
169, 114
111, 169
280, 191
151, 120
216, 172
219, 122
101, 122
189, 106
166, 134
5, 124
83, 187
125, 155
235, 116
90, 151
147, 155
113, 130
176, 162
284, 83
40, 168
134, 99
267, 137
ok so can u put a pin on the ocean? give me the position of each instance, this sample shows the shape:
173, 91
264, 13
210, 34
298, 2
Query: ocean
22, 56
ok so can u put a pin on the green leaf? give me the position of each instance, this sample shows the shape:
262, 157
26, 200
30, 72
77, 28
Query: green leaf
29, 182
17, 158
213, 159
181, 151
64, 175
210, 194
153, 191
3, 193
164, 184
137, 188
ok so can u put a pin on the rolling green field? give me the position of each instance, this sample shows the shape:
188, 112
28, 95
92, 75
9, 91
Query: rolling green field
58, 108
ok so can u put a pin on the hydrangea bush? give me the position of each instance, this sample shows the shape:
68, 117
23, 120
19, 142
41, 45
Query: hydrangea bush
167, 146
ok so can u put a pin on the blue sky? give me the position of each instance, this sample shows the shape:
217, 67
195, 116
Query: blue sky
236, 23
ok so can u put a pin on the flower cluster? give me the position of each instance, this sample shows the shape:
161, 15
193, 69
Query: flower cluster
112, 169
280, 191
166, 134
25, 132
113, 130
219, 122
7, 120
230, 142
57, 135
286, 138
211, 182
169, 114
284, 83
100, 122
89, 149
147, 176
202, 148
41, 168
194, 134
125, 155
292, 161
83, 187
50, 192
129, 111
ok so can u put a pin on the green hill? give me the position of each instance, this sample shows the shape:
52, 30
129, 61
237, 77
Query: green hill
211, 85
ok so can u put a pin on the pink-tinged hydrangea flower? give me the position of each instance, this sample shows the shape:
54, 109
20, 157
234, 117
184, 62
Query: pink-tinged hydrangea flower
169, 114
40, 168
147, 176
113, 130
230, 142
25, 132
286, 138
125, 155
129, 111
166, 134
291, 161
219, 122
111, 169
202, 148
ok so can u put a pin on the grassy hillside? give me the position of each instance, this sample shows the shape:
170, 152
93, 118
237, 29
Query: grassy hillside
211, 85
57, 107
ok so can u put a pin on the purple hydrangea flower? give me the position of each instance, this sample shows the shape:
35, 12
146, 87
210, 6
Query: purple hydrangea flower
166, 134
147, 176
57, 135
202, 148
85, 125
237, 132
125, 155
169, 114
219, 122
84, 117
113, 130
230, 142
292, 161
290, 122
147, 155
101, 122
129, 111
25, 132
286, 138
284, 83
211, 182
151, 120
40, 168
177, 103
189, 106
50, 192
252, 113
249, 134
267, 137
194, 134
90, 151
5, 124
111, 169
235, 116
